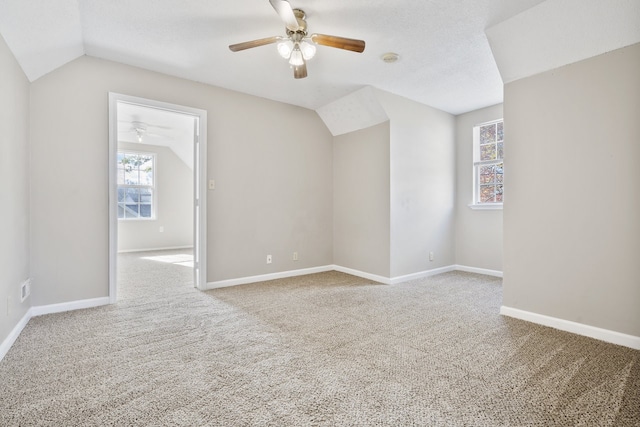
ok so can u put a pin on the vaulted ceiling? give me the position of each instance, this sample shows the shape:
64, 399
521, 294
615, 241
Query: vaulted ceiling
446, 60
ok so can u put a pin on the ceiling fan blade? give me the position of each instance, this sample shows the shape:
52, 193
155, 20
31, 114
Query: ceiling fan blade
151, 125
339, 42
254, 43
300, 71
285, 11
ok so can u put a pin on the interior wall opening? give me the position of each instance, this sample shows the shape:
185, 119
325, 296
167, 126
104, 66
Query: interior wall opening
156, 207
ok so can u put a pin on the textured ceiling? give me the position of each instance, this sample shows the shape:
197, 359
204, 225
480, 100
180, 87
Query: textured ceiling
445, 58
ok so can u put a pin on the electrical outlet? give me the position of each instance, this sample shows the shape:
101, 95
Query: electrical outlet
295, 256
430, 256
25, 290
269, 259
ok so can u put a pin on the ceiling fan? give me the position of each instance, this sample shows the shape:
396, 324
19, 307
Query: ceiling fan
298, 46
140, 129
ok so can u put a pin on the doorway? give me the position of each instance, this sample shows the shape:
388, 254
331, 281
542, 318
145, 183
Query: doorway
157, 170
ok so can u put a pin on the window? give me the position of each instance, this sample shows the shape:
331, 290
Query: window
135, 185
488, 164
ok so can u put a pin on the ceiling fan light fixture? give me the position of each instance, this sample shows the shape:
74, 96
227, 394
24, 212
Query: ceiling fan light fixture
140, 129
285, 48
308, 50
296, 58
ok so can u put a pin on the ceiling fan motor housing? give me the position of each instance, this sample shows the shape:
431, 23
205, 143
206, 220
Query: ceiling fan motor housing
302, 23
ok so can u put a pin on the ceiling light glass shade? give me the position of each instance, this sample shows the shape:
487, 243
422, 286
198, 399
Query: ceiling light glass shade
308, 50
296, 57
285, 48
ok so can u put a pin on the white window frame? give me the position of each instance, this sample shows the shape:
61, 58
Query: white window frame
477, 164
154, 196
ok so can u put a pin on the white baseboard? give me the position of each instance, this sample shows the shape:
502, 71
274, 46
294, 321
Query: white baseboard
68, 306
364, 275
14, 334
574, 327
169, 248
47, 309
347, 270
265, 277
421, 274
484, 271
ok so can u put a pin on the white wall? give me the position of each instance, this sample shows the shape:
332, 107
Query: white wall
422, 161
361, 210
174, 205
572, 204
273, 182
14, 195
478, 232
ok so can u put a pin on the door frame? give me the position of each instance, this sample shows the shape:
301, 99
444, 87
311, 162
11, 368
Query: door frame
199, 185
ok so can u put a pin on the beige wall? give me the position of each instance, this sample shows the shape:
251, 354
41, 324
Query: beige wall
361, 200
174, 205
422, 161
394, 189
273, 178
14, 195
478, 232
572, 204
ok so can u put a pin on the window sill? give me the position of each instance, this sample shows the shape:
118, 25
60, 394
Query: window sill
486, 207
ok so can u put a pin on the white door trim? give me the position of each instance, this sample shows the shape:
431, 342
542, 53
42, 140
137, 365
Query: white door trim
200, 185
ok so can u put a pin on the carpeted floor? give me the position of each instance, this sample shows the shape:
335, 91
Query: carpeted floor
326, 349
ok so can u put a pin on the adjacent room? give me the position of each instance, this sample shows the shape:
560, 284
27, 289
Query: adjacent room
290, 213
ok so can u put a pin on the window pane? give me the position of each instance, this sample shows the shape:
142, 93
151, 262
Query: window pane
498, 193
145, 195
487, 174
499, 173
145, 211
487, 134
120, 210
120, 175
137, 168
500, 150
500, 131
487, 193
121, 192
488, 152
133, 195
146, 170
131, 177
131, 211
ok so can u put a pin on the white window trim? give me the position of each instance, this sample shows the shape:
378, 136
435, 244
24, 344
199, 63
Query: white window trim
486, 206
154, 192
475, 205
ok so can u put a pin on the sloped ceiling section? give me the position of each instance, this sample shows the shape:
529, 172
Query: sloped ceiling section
359, 110
561, 32
42, 38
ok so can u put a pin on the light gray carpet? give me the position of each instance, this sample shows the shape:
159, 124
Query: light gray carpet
325, 349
